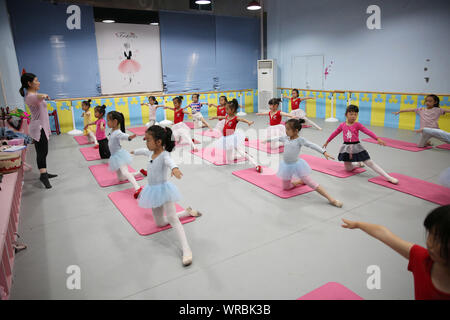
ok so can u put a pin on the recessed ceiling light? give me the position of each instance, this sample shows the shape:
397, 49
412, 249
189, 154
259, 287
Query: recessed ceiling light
108, 21
202, 2
154, 23
254, 5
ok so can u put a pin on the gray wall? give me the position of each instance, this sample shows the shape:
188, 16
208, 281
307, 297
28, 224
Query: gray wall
390, 59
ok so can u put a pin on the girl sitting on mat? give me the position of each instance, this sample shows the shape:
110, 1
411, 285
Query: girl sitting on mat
100, 132
159, 194
292, 166
221, 112
152, 107
431, 265
181, 132
86, 115
276, 129
232, 140
352, 150
429, 116
197, 117
120, 158
295, 107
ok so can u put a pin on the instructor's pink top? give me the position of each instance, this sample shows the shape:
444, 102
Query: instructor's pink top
39, 116
350, 133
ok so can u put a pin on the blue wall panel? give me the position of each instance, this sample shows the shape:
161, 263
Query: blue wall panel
64, 60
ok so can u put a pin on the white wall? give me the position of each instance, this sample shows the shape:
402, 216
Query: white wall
390, 59
10, 75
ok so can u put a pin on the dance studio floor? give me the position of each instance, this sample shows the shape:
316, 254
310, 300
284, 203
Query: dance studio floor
249, 244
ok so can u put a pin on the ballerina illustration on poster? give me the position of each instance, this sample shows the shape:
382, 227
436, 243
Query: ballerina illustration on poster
129, 67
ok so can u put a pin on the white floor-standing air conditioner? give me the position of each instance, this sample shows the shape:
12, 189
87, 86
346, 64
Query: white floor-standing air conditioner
267, 83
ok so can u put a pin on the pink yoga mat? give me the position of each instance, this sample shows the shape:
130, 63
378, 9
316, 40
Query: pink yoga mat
268, 181
90, 153
444, 146
106, 178
398, 144
262, 146
190, 124
331, 291
331, 167
82, 140
140, 131
216, 157
210, 133
141, 219
416, 187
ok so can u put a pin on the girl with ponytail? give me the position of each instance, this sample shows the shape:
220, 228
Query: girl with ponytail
39, 128
86, 115
295, 107
291, 166
120, 158
276, 129
100, 132
159, 194
181, 132
232, 141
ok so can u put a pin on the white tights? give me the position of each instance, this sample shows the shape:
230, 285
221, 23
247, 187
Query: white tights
92, 138
173, 218
124, 174
372, 165
231, 155
181, 136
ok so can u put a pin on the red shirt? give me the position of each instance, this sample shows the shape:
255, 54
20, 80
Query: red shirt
178, 116
420, 265
295, 103
275, 119
230, 126
221, 111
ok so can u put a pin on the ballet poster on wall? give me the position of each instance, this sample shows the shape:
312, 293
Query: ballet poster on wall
129, 57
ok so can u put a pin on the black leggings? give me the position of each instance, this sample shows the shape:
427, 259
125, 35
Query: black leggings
103, 148
41, 150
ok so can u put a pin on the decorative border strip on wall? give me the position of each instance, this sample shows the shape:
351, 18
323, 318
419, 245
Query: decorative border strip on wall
137, 115
375, 108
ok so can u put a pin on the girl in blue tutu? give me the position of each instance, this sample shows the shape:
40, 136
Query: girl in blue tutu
120, 158
293, 166
159, 194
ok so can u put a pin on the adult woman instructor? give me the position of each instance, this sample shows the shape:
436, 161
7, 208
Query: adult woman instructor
39, 128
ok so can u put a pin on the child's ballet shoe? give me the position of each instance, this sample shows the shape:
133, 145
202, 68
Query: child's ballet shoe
337, 203
246, 139
193, 213
143, 172
187, 260
259, 169
393, 180
96, 146
137, 192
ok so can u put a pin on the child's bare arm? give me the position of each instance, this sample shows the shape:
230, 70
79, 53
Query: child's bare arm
383, 234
